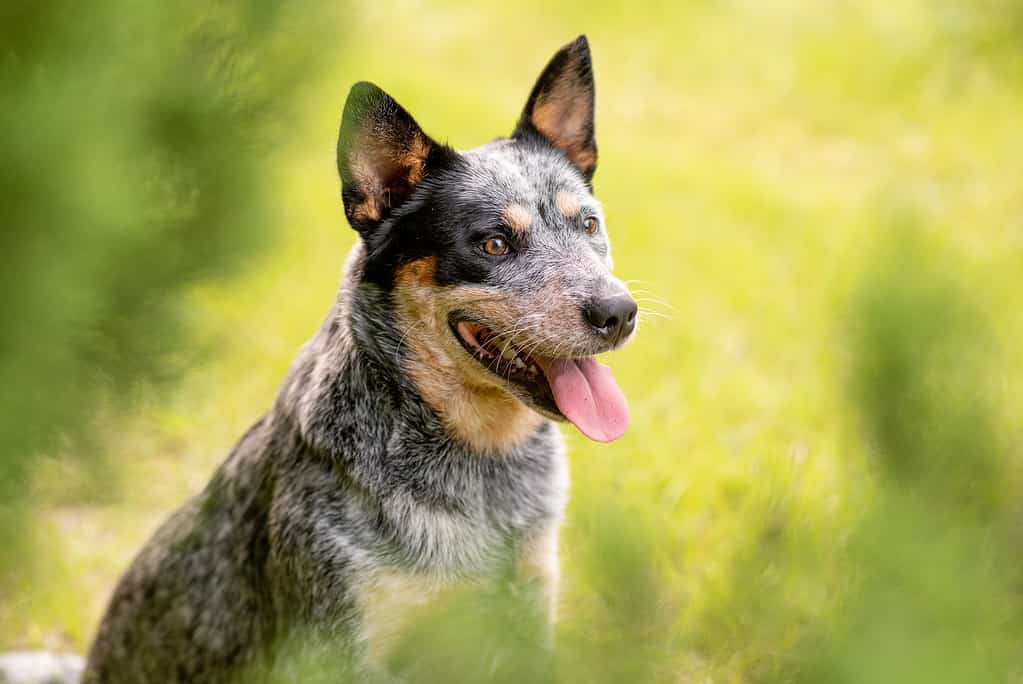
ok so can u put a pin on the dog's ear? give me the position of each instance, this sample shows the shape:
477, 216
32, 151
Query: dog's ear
560, 108
382, 155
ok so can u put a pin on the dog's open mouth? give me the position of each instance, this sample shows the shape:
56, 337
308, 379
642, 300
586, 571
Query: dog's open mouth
502, 357
581, 390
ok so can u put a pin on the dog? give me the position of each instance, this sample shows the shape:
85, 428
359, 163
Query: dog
413, 443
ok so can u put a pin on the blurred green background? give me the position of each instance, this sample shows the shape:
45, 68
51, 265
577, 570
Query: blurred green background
819, 205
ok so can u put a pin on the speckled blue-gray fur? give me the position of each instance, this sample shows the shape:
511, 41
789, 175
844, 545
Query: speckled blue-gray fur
412, 445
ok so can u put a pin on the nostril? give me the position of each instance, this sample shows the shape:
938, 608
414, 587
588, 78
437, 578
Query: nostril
629, 310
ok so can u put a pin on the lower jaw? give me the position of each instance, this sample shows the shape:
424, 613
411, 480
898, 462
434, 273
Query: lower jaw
537, 398
546, 408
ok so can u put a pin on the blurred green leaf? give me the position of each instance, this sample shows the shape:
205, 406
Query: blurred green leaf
135, 166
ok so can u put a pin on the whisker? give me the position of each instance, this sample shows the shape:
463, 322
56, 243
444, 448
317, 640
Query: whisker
647, 316
649, 293
647, 301
407, 330
508, 334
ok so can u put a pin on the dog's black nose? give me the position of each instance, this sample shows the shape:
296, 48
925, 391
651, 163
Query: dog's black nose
612, 317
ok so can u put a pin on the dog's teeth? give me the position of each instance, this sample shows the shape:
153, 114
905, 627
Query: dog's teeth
502, 353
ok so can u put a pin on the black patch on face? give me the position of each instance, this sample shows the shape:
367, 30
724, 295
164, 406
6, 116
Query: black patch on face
434, 225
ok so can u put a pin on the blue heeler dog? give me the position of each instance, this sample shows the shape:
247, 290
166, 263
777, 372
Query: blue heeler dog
412, 444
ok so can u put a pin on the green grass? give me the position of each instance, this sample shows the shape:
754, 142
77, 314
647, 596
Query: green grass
750, 156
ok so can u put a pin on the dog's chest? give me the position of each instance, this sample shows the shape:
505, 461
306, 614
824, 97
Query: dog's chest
464, 521
485, 529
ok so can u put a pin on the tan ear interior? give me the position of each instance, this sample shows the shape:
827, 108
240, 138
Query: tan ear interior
562, 114
384, 168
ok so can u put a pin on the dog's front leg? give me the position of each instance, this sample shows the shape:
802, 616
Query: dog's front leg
540, 574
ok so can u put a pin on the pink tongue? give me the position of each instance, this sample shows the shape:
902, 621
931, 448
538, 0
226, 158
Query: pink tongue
587, 394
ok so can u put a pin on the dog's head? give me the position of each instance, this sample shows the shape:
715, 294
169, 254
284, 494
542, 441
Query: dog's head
498, 258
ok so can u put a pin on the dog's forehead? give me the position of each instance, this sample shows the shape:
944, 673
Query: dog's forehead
507, 173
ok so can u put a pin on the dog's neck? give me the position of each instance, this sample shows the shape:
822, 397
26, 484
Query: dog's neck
360, 357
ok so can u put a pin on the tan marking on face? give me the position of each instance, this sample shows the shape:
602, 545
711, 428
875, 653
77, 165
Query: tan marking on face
567, 203
517, 217
473, 407
417, 274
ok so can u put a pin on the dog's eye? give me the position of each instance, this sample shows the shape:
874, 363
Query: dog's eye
495, 246
591, 224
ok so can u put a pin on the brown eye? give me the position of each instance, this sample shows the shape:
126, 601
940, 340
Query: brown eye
591, 224
495, 246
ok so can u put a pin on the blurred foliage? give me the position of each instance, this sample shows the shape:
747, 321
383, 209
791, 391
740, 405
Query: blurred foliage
818, 205
133, 168
986, 30
498, 633
937, 557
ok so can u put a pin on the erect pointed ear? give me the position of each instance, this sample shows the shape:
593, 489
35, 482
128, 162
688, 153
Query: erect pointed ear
382, 155
560, 108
